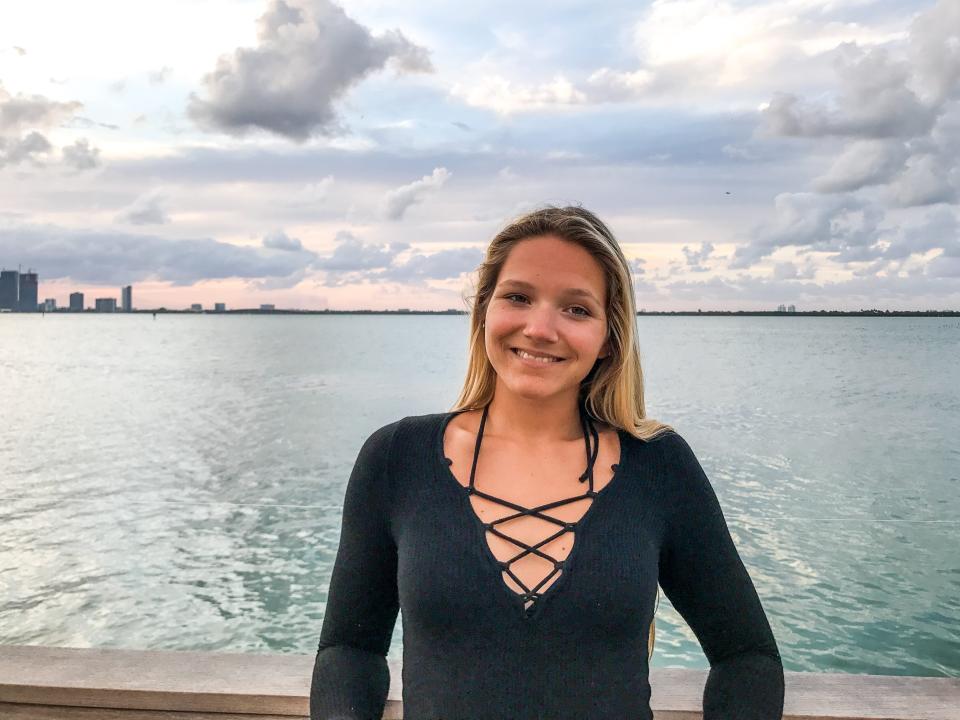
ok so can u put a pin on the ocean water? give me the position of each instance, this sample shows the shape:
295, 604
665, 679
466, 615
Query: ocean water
176, 483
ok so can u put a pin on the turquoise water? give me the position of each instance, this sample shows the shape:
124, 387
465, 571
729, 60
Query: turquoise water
176, 483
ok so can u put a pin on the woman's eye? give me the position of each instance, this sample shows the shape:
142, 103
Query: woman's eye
585, 313
578, 311
513, 295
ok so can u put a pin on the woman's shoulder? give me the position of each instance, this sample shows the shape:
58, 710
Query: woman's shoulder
411, 426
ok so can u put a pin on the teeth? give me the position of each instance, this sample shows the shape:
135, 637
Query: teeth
527, 355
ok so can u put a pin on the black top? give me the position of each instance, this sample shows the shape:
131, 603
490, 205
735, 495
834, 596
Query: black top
475, 649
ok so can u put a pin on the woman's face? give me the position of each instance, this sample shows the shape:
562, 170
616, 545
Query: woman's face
550, 299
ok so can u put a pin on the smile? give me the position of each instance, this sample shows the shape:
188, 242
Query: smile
538, 359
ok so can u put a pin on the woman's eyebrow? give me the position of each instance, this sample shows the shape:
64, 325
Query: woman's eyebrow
565, 291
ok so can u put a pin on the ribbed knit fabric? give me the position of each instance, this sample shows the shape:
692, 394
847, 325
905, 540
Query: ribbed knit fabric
410, 539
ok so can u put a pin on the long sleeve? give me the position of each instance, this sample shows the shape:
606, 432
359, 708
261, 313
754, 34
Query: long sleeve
350, 675
705, 579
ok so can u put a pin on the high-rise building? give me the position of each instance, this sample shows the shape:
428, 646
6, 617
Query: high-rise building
28, 292
106, 305
127, 298
50, 305
219, 307
196, 307
9, 290
76, 302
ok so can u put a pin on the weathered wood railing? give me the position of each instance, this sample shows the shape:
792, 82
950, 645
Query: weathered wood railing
52, 683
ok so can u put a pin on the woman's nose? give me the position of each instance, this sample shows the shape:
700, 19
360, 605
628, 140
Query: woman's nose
541, 324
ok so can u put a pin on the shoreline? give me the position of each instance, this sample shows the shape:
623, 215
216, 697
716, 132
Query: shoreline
647, 313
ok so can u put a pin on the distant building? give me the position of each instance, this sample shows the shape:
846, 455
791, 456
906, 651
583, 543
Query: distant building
781, 308
107, 305
267, 306
127, 298
76, 302
220, 307
9, 290
28, 292
792, 308
50, 305
196, 307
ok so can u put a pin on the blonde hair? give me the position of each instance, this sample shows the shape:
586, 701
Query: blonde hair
613, 390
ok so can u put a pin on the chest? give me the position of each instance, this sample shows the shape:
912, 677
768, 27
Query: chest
530, 539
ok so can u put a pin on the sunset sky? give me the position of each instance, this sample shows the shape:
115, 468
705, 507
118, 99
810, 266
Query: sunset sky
361, 155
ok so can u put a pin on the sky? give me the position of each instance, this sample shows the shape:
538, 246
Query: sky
362, 155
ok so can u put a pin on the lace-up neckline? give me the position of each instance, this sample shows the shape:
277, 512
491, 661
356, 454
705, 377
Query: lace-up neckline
531, 599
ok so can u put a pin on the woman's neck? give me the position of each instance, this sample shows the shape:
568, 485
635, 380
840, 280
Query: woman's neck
529, 421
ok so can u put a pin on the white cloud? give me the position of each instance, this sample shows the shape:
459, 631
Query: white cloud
503, 96
865, 162
926, 181
29, 148
81, 155
897, 111
844, 224
696, 258
397, 201
111, 258
279, 240
310, 53
150, 208
22, 118
312, 194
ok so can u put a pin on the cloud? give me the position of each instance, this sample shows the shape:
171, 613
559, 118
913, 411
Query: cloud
113, 258
309, 54
636, 266
696, 258
397, 201
939, 229
353, 261
19, 113
685, 50
863, 163
844, 224
16, 150
919, 290
897, 107
279, 240
874, 102
352, 255
505, 97
159, 77
440, 265
23, 117
926, 180
885, 92
312, 194
789, 271
81, 155
150, 208
85, 123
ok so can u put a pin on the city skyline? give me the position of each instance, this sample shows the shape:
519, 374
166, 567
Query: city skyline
745, 154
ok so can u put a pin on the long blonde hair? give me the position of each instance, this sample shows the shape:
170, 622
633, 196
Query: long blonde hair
613, 390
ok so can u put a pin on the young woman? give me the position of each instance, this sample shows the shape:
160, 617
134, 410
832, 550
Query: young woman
525, 532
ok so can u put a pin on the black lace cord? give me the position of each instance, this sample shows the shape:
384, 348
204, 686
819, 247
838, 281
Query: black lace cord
589, 430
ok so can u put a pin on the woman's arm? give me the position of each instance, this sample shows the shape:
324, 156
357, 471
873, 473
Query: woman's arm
350, 674
702, 574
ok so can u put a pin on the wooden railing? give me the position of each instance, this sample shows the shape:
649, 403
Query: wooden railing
53, 683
